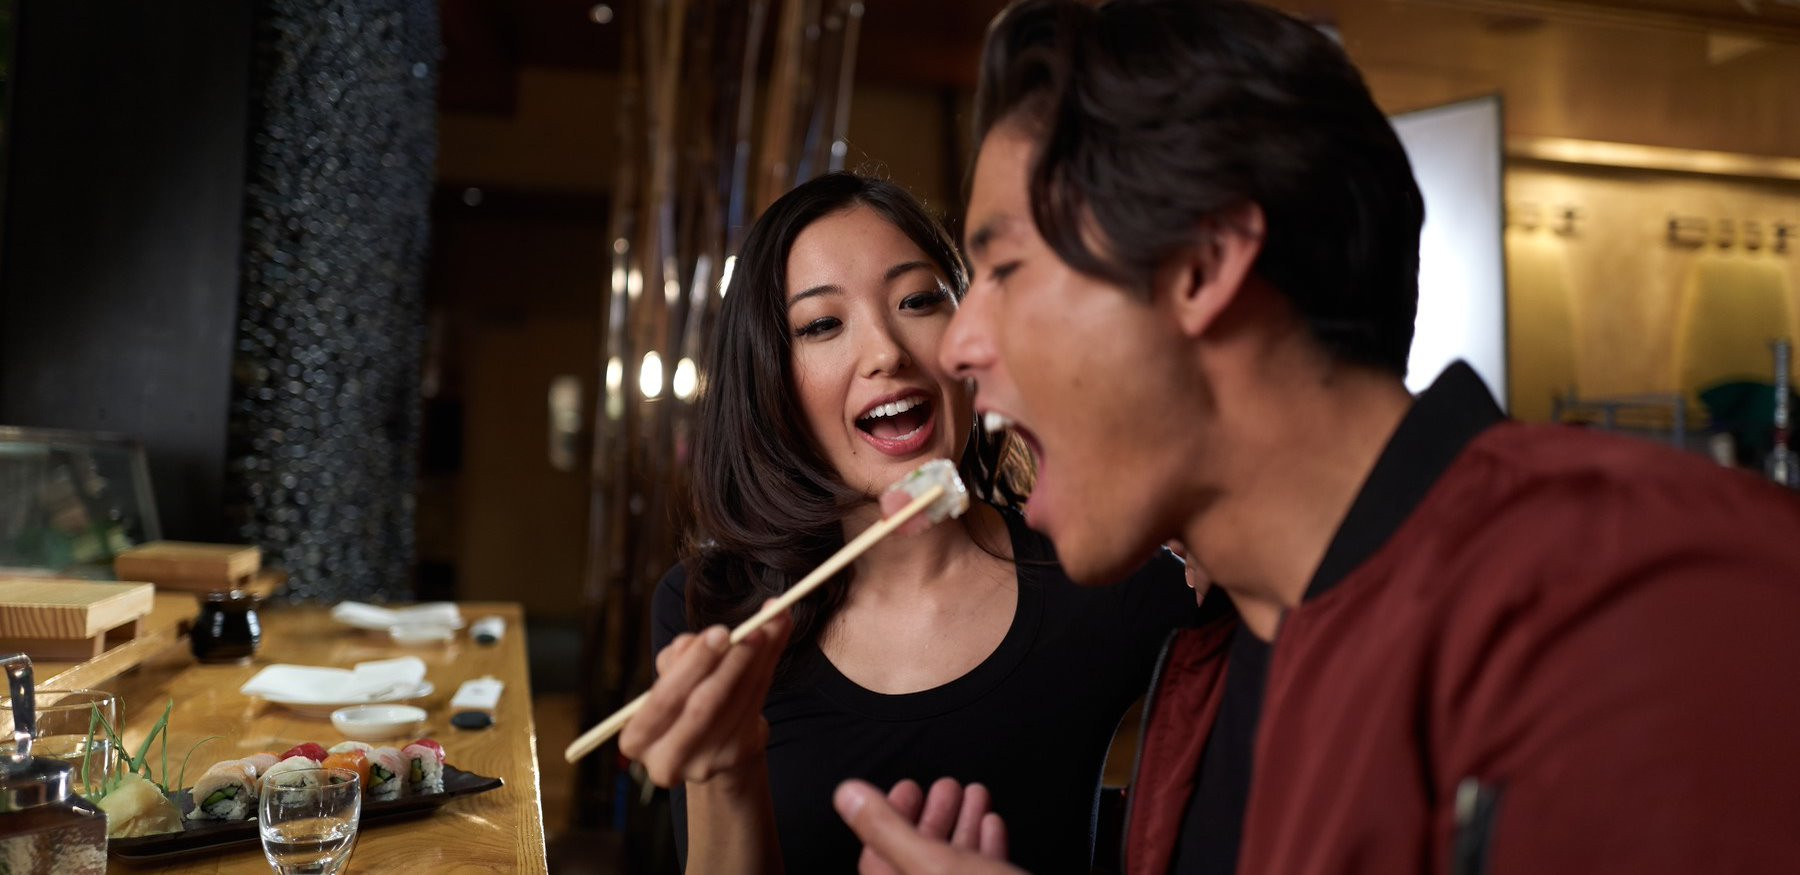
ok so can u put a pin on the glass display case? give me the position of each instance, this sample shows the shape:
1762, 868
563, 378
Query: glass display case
70, 501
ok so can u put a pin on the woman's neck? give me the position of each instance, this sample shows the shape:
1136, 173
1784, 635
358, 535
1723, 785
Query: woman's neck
926, 563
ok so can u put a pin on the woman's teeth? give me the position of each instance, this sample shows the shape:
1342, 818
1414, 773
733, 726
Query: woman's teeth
894, 408
993, 422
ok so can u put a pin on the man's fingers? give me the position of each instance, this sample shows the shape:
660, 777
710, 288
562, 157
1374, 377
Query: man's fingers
942, 804
975, 803
882, 830
908, 799
993, 836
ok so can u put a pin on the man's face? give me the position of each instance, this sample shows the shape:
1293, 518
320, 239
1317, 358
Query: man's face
1086, 372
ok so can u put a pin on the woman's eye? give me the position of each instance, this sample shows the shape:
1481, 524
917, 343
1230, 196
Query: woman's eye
925, 300
1002, 271
816, 327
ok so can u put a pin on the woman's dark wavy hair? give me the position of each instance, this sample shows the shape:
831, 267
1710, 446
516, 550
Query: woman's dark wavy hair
768, 506
1151, 117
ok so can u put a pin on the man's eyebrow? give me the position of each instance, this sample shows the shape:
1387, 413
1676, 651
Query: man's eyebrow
981, 237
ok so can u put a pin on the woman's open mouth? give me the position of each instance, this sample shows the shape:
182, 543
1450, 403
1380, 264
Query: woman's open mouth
901, 427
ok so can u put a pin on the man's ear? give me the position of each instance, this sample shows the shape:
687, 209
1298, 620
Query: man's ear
1201, 280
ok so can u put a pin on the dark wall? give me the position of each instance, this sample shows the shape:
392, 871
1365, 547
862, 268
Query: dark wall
119, 248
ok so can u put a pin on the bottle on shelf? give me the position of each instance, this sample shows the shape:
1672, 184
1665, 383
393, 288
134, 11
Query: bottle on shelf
1782, 466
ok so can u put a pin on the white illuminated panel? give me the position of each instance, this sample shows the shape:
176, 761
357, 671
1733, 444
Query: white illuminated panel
1456, 156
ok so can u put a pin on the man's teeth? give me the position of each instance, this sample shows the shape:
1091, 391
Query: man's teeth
894, 408
993, 422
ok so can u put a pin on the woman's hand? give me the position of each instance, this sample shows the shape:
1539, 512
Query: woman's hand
704, 715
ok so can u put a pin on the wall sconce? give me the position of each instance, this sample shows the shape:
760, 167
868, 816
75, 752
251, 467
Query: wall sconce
1524, 214
1690, 232
1568, 217
1752, 235
1783, 230
1726, 234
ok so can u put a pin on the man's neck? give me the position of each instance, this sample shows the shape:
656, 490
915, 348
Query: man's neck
1298, 453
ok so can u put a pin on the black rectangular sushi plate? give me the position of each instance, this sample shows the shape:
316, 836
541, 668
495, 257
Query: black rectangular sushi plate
201, 837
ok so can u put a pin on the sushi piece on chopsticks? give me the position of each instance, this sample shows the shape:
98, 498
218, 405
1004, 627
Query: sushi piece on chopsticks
227, 791
424, 767
387, 775
933, 491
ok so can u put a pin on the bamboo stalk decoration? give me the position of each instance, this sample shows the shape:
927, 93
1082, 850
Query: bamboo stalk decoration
692, 173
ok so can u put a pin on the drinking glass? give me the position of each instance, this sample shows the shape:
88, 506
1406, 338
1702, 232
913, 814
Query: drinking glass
308, 819
64, 718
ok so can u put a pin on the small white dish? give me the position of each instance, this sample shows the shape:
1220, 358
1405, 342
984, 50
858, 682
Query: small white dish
421, 633
375, 618
378, 722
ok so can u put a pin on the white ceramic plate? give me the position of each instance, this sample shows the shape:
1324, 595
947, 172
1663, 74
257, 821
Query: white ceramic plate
317, 708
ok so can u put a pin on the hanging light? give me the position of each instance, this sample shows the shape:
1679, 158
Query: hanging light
650, 376
725, 275
687, 379
615, 381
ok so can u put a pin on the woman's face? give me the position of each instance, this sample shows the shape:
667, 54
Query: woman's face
866, 309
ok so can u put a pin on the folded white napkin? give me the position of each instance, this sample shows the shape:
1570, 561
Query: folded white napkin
368, 682
366, 616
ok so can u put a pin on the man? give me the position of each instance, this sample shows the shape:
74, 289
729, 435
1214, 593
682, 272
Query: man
1459, 644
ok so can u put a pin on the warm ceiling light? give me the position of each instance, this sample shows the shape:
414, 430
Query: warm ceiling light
650, 377
686, 381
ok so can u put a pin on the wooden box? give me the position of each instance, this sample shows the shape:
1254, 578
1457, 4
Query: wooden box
182, 565
54, 620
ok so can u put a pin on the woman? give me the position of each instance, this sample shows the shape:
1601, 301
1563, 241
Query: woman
961, 651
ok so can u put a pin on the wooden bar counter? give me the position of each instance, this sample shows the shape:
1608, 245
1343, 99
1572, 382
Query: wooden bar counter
498, 831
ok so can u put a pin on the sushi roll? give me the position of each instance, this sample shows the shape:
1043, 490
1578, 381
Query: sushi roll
260, 762
424, 767
309, 750
226, 792
387, 775
345, 746
295, 771
351, 760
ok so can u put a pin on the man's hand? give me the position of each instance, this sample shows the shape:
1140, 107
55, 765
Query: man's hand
910, 833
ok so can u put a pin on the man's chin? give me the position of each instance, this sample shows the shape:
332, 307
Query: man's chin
1096, 567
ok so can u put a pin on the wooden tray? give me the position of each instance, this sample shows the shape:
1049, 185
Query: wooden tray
201, 837
189, 566
52, 619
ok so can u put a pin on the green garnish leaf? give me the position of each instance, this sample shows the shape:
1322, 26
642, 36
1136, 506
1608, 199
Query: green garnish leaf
190, 753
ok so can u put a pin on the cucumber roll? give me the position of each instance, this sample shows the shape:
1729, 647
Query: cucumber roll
424, 767
387, 774
226, 792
